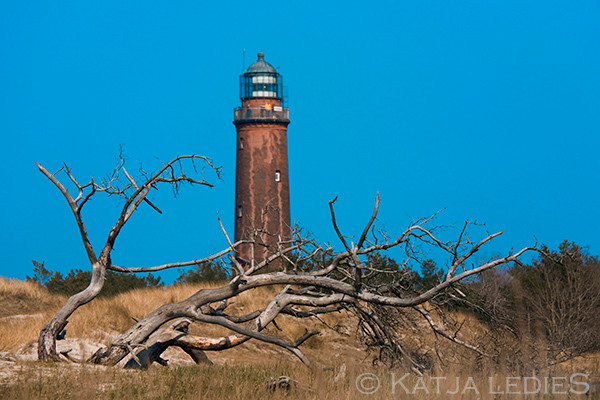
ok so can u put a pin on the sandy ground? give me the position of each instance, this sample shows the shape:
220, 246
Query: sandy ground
338, 354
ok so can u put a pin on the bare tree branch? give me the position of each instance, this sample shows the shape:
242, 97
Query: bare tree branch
74, 209
447, 335
99, 264
161, 267
324, 280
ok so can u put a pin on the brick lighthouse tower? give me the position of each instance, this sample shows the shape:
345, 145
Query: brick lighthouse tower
262, 194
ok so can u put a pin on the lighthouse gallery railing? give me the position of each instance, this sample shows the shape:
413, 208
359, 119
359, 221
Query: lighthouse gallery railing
275, 114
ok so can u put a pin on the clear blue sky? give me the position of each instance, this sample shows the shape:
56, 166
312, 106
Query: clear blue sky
490, 110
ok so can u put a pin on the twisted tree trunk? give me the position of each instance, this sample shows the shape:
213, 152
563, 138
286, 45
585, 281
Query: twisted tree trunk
48, 335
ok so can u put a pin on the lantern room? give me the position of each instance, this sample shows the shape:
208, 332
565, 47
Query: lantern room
261, 80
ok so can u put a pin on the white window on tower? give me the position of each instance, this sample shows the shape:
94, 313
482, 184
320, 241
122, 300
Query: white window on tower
240, 212
277, 176
241, 143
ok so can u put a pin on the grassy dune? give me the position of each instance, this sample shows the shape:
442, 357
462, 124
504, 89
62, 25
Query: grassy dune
103, 319
243, 372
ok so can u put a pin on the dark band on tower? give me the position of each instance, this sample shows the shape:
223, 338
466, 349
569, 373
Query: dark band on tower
262, 195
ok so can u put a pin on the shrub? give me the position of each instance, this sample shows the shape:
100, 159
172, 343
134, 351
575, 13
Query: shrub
77, 280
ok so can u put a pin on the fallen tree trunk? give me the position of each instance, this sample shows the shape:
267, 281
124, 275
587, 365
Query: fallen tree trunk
161, 340
325, 280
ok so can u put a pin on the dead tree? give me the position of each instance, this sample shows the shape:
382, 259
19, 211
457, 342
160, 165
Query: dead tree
134, 193
316, 279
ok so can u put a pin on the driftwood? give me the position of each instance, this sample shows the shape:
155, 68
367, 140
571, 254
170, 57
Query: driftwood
134, 194
317, 279
163, 338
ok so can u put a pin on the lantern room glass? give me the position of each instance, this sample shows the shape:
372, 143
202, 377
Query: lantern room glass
261, 85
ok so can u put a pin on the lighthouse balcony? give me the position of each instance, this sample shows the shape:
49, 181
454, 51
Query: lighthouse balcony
261, 114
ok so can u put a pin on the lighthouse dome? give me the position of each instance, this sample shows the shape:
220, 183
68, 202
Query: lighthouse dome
261, 80
261, 66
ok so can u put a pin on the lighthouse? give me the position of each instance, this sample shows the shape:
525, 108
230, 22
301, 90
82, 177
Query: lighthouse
262, 194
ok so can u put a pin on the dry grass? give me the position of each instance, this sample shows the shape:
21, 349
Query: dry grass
22, 297
114, 315
194, 382
240, 373
103, 319
250, 382
21, 289
26, 308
